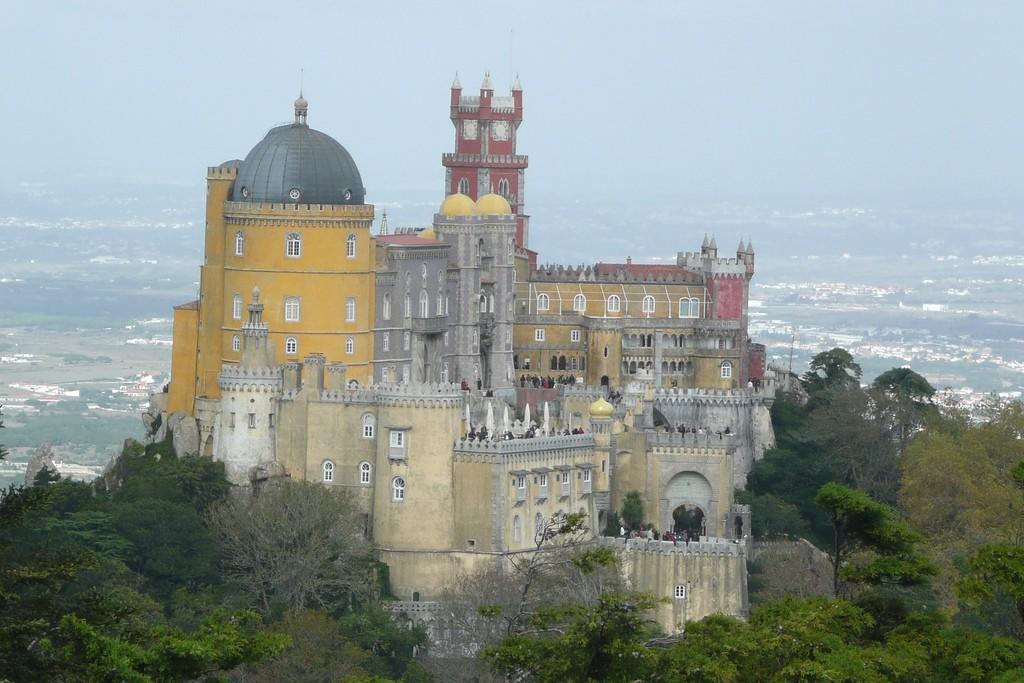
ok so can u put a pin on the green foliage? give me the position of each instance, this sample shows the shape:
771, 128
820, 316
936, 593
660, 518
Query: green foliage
633, 510
772, 517
904, 382
861, 524
829, 370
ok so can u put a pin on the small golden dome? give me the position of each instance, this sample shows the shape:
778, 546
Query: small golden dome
457, 204
601, 408
428, 233
493, 204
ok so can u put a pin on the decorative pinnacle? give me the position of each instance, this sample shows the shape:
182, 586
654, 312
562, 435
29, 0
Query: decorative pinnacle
714, 244
742, 249
486, 85
516, 85
704, 244
455, 83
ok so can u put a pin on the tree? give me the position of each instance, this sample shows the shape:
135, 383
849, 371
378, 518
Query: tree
861, 526
902, 401
997, 567
831, 369
295, 545
633, 510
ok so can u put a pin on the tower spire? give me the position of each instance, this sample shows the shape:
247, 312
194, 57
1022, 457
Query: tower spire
384, 223
456, 85
301, 106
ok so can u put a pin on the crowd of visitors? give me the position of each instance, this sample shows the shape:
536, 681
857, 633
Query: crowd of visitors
548, 382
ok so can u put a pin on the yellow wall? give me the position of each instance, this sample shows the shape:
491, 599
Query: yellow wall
211, 283
182, 392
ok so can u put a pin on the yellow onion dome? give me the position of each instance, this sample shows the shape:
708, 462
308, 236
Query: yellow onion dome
428, 233
493, 205
601, 408
457, 204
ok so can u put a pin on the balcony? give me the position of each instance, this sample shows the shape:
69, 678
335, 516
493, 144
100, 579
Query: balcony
433, 325
521, 494
588, 487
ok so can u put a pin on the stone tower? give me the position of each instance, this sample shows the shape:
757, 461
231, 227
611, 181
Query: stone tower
485, 159
248, 402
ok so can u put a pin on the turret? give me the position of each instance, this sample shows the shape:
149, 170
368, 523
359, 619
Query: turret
517, 94
486, 92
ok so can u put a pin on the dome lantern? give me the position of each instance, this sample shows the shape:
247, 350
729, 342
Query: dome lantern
301, 110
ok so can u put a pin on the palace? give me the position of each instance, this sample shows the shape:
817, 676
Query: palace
320, 351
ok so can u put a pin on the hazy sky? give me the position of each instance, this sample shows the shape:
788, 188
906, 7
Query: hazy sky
840, 99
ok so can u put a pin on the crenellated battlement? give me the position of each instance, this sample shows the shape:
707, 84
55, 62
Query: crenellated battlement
542, 451
588, 273
240, 378
716, 396
708, 546
221, 173
707, 443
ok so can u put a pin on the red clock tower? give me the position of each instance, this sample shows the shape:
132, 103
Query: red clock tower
485, 158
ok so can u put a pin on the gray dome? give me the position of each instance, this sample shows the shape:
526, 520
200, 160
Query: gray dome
295, 164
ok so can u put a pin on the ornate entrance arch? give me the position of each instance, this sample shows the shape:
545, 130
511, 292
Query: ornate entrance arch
688, 489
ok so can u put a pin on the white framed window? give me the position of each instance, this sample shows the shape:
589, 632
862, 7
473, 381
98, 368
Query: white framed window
236, 307
520, 481
365, 470
544, 479
543, 302
293, 245
464, 183
292, 309
517, 529
446, 337
579, 303
538, 334
350, 246
446, 305
614, 303
385, 312
680, 591
573, 363
689, 308
252, 420
350, 345
574, 336
586, 476
397, 439
424, 304
328, 470
406, 374
648, 304
291, 346
350, 309
239, 243
236, 343
408, 306
385, 342
726, 369
369, 425
503, 187
398, 489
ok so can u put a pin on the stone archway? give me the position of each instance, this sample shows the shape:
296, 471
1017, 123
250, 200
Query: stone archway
208, 447
691, 520
690, 491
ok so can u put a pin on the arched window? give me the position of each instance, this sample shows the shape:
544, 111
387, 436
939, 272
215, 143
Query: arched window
350, 246
503, 187
293, 245
236, 343
464, 186
614, 303
365, 470
386, 307
369, 423
543, 302
538, 523
517, 529
398, 489
405, 341
726, 369
579, 303
408, 306
236, 307
440, 303
424, 304
385, 342
350, 345
648, 304
239, 243
291, 346
444, 373
350, 309
328, 468
689, 308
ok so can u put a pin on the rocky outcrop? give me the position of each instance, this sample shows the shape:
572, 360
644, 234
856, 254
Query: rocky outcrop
40, 460
184, 432
153, 419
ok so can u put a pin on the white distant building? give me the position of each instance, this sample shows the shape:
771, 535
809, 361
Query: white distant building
934, 308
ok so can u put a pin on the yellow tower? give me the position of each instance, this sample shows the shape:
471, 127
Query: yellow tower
291, 220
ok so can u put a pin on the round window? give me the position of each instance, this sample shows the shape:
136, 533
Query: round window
294, 193
348, 194
245, 192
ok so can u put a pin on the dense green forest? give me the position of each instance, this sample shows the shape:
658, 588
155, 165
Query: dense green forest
158, 572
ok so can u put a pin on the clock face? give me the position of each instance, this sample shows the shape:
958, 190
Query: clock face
500, 130
469, 129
